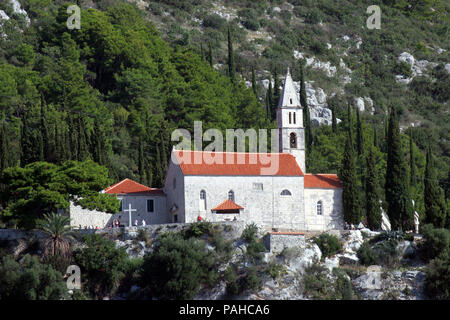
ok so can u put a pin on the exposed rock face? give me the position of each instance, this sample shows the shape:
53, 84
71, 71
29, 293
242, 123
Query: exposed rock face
418, 67
385, 223
377, 285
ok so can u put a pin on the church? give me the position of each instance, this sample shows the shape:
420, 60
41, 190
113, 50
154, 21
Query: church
288, 199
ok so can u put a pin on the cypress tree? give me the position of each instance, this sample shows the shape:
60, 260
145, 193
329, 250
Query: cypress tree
276, 91
400, 209
333, 119
306, 116
412, 164
210, 54
4, 146
435, 206
373, 211
28, 144
202, 53
359, 133
46, 152
268, 105
270, 99
141, 161
231, 66
375, 138
350, 195
254, 82
349, 122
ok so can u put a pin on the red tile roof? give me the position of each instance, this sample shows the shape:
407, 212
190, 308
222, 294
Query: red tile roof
128, 186
227, 205
324, 181
253, 164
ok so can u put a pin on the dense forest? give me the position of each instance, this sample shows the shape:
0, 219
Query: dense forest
114, 90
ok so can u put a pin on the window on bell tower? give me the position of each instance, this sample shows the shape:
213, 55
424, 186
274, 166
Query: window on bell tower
293, 140
294, 117
290, 118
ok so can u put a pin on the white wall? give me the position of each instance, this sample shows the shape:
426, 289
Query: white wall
85, 217
266, 208
332, 213
139, 202
175, 196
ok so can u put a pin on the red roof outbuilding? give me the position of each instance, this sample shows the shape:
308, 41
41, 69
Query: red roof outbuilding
228, 206
128, 186
322, 181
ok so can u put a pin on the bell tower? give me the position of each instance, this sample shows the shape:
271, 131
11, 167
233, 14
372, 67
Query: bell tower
290, 122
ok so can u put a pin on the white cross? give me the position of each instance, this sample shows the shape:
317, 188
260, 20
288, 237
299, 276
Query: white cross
129, 210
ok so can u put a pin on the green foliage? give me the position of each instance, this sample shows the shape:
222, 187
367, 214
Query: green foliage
30, 280
101, 264
41, 188
177, 267
198, 229
403, 68
250, 233
275, 270
436, 242
438, 278
383, 252
252, 280
400, 209
435, 206
231, 280
328, 244
373, 210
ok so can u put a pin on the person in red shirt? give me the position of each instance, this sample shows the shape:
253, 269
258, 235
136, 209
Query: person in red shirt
199, 218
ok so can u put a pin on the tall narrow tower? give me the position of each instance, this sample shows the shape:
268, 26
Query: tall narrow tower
290, 122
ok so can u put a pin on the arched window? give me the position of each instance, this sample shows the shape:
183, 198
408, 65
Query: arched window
319, 208
231, 195
203, 200
290, 118
290, 100
293, 140
286, 192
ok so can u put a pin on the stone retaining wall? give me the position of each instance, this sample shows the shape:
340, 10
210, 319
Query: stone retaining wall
277, 241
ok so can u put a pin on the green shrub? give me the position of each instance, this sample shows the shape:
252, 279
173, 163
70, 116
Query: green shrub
231, 280
198, 229
252, 281
403, 68
437, 285
30, 280
316, 283
343, 285
102, 265
250, 232
436, 242
328, 244
409, 237
275, 270
255, 250
367, 256
177, 267
214, 21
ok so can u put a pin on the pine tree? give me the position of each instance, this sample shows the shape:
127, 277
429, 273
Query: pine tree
306, 116
359, 133
373, 211
412, 164
435, 206
255, 91
400, 209
231, 66
350, 195
333, 119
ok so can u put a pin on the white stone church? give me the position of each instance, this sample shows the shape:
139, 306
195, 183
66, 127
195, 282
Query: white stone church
286, 200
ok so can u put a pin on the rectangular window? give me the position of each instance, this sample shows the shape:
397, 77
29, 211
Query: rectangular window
258, 186
289, 118
121, 205
150, 205
294, 117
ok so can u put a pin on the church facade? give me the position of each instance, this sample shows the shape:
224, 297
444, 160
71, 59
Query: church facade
287, 199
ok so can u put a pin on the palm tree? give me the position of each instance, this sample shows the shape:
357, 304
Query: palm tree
57, 248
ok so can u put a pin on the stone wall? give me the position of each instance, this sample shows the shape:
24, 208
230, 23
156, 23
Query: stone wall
267, 208
277, 241
85, 217
332, 213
